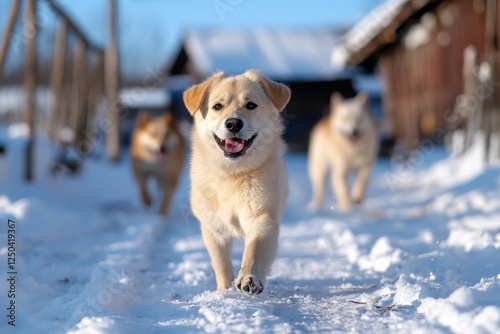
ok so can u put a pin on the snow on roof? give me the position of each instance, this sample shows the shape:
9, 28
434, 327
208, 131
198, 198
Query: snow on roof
13, 100
368, 29
140, 97
280, 54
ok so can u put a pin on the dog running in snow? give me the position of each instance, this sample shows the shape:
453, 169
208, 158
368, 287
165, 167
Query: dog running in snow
343, 142
238, 176
157, 151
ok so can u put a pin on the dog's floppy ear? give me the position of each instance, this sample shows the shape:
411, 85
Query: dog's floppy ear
194, 96
279, 94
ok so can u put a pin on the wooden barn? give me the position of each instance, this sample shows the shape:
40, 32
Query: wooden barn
418, 47
298, 58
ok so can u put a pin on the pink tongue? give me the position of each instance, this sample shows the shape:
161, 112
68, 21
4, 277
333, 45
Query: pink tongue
354, 139
234, 145
160, 156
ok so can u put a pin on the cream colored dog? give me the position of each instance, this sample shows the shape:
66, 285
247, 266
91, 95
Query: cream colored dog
238, 176
344, 141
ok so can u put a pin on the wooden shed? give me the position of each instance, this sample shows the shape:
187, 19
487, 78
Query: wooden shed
418, 47
298, 58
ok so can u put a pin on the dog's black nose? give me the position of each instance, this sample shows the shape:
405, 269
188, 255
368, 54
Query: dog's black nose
355, 133
163, 149
234, 124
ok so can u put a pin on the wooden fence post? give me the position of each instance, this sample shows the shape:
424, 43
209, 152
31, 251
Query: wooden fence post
492, 111
96, 90
79, 90
73, 100
30, 82
496, 73
9, 28
112, 86
468, 105
66, 99
58, 79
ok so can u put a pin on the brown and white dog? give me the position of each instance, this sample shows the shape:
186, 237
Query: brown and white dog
343, 142
157, 150
238, 176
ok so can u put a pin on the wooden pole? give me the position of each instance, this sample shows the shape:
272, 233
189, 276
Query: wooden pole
30, 82
66, 98
468, 102
496, 73
9, 28
96, 91
79, 90
58, 79
112, 86
491, 112
70, 82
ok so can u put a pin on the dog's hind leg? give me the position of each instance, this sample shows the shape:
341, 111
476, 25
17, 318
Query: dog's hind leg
318, 170
168, 192
220, 254
359, 188
341, 187
142, 180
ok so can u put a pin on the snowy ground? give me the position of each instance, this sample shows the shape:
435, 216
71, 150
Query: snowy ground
421, 255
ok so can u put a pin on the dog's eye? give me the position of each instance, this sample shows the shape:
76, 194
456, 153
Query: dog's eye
217, 106
251, 105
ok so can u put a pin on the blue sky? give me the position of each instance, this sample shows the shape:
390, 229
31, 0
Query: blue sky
151, 30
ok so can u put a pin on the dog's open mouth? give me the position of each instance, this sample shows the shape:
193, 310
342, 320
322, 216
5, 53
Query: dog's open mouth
234, 147
354, 138
159, 155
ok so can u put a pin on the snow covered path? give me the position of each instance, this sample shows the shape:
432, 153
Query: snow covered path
422, 257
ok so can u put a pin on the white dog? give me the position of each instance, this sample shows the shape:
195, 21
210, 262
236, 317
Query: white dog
238, 176
344, 141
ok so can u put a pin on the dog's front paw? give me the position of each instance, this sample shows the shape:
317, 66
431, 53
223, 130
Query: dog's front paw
249, 284
357, 199
344, 206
